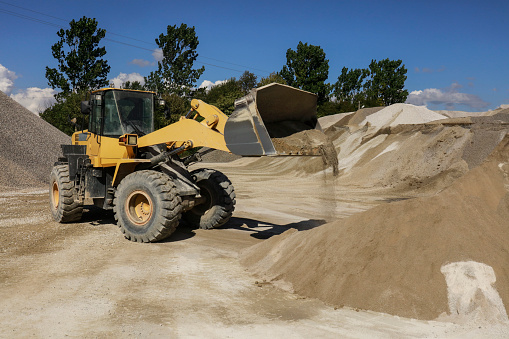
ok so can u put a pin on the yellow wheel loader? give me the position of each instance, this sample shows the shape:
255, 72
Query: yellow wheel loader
121, 163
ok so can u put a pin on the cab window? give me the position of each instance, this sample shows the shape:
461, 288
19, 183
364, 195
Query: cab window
112, 126
94, 123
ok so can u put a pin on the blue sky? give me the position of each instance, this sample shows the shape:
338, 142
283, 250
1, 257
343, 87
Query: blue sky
456, 52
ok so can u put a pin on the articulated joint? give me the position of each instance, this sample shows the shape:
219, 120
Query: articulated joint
212, 123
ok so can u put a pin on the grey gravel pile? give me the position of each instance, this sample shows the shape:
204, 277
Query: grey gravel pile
28, 146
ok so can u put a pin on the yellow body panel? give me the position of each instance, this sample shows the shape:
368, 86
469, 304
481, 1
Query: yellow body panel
212, 115
103, 151
106, 152
183, 131
186, 130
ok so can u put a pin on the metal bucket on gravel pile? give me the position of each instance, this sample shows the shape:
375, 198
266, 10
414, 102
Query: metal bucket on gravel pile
265, 119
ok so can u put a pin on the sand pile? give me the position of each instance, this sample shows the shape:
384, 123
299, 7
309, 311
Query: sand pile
459, 114
29, 146
404, 157
360, 115
389, 258
401, 114
391, 150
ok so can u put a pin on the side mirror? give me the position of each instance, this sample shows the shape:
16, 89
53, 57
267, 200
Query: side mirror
162, 103
85, 107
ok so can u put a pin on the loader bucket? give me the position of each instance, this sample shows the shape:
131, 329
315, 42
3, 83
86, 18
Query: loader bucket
268, 115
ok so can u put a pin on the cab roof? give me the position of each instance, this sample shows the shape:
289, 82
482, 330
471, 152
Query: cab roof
120, 89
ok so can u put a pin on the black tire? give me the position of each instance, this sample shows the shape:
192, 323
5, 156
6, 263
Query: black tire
147, 206
219, 200
62, 196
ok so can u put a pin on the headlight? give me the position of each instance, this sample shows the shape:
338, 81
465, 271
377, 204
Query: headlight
128, 140
132, 140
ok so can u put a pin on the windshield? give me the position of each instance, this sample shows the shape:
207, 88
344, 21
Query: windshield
128, 112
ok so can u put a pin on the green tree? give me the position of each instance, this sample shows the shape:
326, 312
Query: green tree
153, 82
247, 81
64, 110
334, 107
223, 96
175, 73
80, 63
386, 82
307, 69
349, 86
135, 85
177, 106
272, 78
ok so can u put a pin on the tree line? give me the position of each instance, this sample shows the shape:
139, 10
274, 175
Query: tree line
81, 67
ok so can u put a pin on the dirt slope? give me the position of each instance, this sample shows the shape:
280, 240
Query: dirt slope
388, 259
29, 146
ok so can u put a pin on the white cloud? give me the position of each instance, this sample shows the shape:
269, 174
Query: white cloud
123, 77
209, 84
142, 62
6, 79
448, 97
35, 99
158, 54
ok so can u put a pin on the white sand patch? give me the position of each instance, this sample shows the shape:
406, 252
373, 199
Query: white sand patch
401, 114
471, 293
330, 120
392, 147
352, 153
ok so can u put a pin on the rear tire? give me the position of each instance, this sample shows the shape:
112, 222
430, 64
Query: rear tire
219, 200
62, 196
147, 206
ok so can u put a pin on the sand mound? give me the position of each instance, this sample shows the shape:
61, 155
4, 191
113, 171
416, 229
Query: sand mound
329, 120
389, 258
401, 114
360, 115
30, 146
396, 153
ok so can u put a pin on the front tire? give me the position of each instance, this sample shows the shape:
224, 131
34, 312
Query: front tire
147, 206
218, 198
62, 196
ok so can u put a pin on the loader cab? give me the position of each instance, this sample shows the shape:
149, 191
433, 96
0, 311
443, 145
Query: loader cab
114, 112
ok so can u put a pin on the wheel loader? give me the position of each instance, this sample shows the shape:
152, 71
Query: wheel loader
121, 163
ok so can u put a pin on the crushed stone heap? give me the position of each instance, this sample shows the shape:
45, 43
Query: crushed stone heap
29, 146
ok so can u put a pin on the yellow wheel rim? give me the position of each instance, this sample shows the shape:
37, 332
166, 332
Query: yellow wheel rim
139, 208
55, 196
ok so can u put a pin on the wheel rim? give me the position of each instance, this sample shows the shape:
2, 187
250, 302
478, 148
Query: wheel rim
55, 195
139, 208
